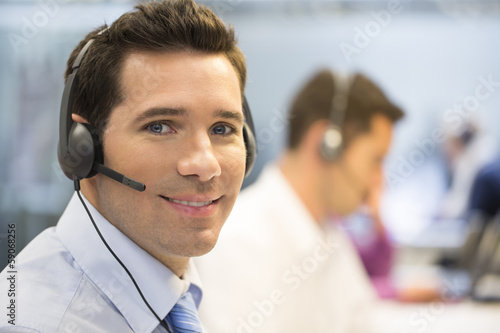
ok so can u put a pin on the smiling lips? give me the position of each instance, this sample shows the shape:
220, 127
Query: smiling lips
191, 203
193, 208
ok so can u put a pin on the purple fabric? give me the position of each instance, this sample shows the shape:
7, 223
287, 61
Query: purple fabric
376, 253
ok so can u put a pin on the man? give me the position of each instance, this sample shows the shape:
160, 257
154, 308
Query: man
162, 88
287, 267
485, 194
468, 149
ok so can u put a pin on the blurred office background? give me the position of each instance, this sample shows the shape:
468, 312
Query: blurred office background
439, 60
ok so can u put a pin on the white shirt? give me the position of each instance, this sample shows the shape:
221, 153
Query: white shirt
67, 281
275, 269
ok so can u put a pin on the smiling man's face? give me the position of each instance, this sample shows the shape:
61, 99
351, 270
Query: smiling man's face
182, 137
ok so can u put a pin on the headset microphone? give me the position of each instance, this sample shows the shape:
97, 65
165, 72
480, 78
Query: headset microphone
118, 177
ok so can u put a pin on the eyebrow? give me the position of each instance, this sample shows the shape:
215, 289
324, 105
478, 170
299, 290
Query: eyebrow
155, 112
238, 116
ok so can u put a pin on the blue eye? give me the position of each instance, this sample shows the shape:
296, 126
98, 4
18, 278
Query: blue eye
222, 129
159, 128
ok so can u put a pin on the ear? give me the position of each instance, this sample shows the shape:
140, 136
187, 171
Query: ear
79, 119
313, 139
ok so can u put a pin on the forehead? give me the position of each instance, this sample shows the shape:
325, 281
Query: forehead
172, 61
183, 78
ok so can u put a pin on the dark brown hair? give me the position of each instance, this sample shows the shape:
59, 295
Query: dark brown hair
166, 26
314, 103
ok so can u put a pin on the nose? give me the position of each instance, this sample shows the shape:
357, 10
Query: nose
198, 158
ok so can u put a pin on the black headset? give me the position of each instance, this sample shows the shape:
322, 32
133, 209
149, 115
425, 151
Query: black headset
332, 142
80, 151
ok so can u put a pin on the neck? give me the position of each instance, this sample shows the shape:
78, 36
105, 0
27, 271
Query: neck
176, 264
304, 183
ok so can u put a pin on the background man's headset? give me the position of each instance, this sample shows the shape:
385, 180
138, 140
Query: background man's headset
81, 155
332, 143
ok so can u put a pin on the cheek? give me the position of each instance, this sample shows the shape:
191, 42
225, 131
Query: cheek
139, 160
361, 162
356, 174
118, 150
232, 161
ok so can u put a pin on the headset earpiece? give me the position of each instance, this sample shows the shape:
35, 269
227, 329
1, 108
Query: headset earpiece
331, 145
84, 140
84, 147
249, 137
333, 139
251, 148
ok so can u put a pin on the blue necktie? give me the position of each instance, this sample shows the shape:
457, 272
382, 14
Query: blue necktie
183, 317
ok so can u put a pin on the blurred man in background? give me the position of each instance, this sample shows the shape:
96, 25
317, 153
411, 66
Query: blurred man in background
287, 265
485, 194
467, 150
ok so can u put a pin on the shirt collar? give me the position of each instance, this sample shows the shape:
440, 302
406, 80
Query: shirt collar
160, 286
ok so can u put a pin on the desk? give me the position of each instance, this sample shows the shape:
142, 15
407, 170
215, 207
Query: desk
437, 317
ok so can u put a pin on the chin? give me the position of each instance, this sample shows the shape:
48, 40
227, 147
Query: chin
199, 249
201, 252
201, 244
206, 244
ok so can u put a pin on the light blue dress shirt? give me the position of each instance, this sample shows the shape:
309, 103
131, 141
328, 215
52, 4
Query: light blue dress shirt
67, 281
